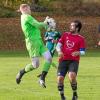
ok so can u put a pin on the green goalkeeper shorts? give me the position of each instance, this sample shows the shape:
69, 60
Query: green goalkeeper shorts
36, 47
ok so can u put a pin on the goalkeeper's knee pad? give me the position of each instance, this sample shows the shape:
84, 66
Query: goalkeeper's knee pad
35, 62
48, 56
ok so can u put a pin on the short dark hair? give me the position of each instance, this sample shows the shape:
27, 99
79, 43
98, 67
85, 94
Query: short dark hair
78, 25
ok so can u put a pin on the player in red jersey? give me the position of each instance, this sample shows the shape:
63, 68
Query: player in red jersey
70, 46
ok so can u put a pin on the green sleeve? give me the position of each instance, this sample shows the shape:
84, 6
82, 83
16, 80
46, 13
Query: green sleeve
35, 23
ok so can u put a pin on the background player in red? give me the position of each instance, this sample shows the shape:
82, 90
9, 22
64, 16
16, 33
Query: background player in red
70, 46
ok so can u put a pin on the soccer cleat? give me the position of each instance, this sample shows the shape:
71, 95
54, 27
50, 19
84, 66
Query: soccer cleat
42, 83
42, 78
75, 97
63, 98
19, 76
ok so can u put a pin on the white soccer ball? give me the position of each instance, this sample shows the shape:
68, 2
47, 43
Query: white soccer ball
51, 23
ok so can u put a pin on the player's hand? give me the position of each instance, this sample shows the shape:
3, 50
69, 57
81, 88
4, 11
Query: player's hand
54, 41
60, 54
46, 38
46, 20
75, 53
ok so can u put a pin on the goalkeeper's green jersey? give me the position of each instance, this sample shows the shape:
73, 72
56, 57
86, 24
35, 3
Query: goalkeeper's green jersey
31, 28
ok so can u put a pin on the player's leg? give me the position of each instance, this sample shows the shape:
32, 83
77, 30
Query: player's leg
72, 74
62, 70
28, 68
52, 51
53, 63
46, 67
48, 59
49, 46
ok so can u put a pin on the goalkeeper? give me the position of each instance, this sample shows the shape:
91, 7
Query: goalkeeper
34, 44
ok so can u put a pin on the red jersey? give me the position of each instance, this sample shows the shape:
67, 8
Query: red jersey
70, 43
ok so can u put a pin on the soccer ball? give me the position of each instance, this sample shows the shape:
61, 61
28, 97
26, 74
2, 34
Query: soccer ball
51, 22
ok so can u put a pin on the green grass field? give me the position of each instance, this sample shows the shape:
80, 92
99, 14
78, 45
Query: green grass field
29, 89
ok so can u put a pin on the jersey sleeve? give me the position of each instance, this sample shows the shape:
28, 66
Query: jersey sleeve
35, 23
82, 44
61, 40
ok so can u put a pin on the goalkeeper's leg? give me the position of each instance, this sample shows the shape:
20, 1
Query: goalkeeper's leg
52, 51
28, 68
46, 67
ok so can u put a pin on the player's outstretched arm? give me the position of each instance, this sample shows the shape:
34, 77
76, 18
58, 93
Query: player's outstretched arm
58, 49
36, 23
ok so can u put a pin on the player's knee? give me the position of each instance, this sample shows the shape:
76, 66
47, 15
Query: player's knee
72, 76
48, 57
60, 79
35, 62
35, 65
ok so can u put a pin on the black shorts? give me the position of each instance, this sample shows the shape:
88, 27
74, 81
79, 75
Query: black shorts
67, 66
